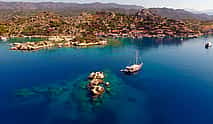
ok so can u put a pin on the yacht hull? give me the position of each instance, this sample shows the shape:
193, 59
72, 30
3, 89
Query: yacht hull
133, 68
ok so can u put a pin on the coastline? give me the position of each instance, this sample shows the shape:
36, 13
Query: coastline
53, 42
68, 41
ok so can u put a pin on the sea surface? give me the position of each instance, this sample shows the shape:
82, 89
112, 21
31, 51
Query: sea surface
175, 85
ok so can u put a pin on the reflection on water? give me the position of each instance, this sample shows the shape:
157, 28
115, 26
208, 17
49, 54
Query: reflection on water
147, 43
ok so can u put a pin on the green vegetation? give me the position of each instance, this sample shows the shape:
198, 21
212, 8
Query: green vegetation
114, 42
3, 29
22, 40
89, 26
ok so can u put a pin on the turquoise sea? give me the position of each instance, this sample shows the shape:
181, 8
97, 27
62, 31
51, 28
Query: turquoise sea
175, 85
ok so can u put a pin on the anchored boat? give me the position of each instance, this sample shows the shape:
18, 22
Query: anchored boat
208, 44
137, 66
3, 38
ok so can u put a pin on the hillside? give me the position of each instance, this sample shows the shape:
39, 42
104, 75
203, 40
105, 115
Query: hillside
180, 14
143, 24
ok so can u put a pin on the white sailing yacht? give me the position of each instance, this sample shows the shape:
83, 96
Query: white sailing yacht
137, 66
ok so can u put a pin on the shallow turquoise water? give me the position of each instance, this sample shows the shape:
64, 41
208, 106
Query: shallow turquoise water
174, 87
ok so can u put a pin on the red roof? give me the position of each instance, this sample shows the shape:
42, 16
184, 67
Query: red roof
115, 31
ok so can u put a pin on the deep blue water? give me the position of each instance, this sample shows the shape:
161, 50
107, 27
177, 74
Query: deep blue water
174, 87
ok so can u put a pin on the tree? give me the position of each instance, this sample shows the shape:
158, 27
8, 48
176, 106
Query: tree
3, 29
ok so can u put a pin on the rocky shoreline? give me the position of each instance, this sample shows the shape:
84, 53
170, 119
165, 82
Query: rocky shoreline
139, 34
52, 43
97, 86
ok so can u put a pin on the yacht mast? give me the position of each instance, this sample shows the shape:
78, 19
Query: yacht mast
136, 57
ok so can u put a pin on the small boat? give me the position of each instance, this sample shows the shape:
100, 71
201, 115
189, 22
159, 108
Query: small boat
133, 68
3, 38
208, 44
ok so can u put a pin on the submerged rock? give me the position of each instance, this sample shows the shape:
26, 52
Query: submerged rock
74, 96
25, 92
107, 84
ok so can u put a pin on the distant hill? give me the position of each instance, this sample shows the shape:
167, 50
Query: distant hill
181, 14
8, 9
209, 12
194, 11
61, 5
